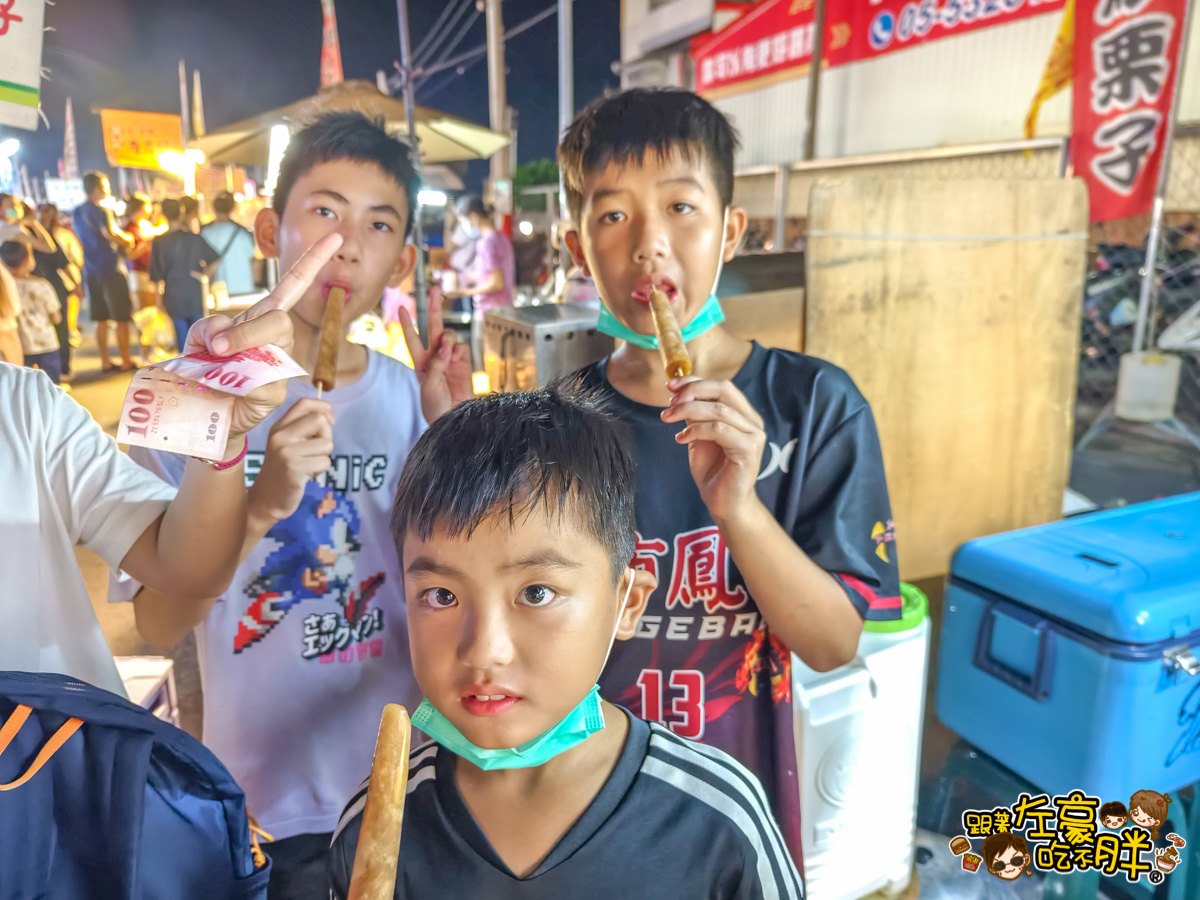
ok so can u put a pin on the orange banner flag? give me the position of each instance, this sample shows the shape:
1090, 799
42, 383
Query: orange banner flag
1059, 67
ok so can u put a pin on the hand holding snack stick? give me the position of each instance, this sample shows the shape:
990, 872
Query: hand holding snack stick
444, 367
325, 373
675, 357
725, 441
266, 322
299, 446
374, 873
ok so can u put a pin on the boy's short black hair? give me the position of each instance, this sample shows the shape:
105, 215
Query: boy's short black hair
172, 210
14, 254
352, 136
621, 129
506, 454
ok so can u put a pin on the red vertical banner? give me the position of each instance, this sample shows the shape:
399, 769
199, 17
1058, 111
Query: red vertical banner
331, 50
1126, 71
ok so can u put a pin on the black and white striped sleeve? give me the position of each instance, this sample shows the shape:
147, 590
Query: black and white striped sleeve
345, 837
716, 780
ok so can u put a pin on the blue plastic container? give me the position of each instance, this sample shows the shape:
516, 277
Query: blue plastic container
1068, 651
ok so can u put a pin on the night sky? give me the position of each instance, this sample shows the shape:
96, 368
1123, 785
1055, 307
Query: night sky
255, 55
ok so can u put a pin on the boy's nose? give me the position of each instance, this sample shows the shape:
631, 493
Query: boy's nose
486, 642
351, 249
650, 241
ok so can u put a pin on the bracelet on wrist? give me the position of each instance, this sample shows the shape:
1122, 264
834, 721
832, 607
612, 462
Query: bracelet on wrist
222, 466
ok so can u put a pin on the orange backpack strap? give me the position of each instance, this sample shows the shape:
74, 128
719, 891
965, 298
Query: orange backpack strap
13, 725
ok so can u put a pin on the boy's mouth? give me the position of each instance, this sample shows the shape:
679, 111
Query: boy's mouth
641, 291
330, 285
488, 700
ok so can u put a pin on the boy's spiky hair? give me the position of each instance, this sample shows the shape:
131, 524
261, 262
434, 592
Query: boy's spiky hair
621, 129
507, 455
352, 136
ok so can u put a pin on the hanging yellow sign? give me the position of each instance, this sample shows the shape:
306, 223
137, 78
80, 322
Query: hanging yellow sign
136, 139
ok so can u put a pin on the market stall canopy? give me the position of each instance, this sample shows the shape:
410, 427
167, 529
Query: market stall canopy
443, 138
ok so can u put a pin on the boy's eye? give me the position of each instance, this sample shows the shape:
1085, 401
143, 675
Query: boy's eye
682, 208
323, 211
611, 218
438, 598
537, 595
381, 226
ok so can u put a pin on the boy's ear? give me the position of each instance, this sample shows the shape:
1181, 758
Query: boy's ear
266, 232
735, 230
575, 246
639, 595
404, 266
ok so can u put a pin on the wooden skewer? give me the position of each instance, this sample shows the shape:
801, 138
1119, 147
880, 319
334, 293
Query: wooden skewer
374, 873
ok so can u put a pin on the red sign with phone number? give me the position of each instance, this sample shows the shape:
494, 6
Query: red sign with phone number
777, 35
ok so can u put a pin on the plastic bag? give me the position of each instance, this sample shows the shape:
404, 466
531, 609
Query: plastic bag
157, 334
1184, 333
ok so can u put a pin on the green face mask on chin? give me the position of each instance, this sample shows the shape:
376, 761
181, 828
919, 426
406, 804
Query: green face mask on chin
709, 317
572, 730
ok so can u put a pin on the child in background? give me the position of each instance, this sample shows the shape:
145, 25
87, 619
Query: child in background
10, 312
514, 525
310, 641
40, 311
761, 502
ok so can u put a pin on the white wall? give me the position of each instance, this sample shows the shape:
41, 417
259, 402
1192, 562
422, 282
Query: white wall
644, 30
971, 89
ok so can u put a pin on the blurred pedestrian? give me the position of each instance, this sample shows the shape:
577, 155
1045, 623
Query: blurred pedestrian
137, 225
490, 282
104, 273
177, 264
10, 313
40, 310
234, 245
18, 223
55, 269
191, 213
59, 226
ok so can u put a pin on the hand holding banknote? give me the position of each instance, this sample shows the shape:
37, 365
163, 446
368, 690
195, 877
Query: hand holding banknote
266, 322
233, 373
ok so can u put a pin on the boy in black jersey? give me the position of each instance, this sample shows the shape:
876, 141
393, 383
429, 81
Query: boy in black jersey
514, 522
762, 508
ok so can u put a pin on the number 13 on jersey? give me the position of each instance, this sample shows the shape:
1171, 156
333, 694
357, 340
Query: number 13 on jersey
687, 700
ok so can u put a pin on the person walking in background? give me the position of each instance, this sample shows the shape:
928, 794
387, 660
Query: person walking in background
104, 273
10, 312
137, 226
234, 245
492, 277
40, 310
59, 228
177, 262
191, 213
55, 269
17, 223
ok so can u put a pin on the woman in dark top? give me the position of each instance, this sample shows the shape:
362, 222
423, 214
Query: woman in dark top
50, 266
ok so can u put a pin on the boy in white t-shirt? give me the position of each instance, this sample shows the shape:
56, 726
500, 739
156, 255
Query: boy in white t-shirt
67, 484
299, 656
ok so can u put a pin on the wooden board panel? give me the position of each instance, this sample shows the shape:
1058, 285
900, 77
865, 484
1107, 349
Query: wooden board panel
773, 318
964, 340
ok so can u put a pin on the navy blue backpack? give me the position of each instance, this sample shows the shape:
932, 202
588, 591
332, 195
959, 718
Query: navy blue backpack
100, 799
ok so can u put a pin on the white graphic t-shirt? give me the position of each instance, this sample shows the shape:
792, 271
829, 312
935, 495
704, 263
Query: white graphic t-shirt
300, 655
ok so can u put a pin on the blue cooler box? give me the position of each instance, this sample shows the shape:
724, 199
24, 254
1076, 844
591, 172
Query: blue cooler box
1068, 651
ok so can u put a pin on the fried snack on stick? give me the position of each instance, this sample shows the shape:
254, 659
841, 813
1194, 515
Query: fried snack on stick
670, 340
331, 340
374, 873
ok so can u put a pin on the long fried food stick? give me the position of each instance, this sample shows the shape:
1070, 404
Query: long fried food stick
374, 873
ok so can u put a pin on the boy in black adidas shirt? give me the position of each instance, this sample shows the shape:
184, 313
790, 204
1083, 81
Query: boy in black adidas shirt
514, 522
762, 509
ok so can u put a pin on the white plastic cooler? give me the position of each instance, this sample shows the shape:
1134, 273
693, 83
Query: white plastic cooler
858, 748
